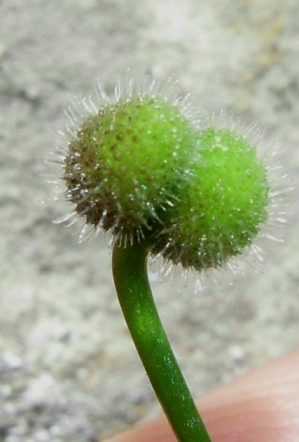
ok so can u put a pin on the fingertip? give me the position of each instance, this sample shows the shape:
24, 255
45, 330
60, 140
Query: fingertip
262, 405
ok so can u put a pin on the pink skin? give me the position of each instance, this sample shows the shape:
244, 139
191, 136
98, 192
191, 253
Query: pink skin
261, 406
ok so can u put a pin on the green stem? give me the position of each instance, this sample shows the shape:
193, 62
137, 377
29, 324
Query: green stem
137, 303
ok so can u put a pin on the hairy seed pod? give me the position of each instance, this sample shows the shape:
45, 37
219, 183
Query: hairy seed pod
146, 166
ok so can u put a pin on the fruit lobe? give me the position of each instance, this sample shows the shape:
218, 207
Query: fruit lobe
126, 162
223, 206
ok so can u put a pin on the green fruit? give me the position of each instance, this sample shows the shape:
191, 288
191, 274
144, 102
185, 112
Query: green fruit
125, 165
223, 205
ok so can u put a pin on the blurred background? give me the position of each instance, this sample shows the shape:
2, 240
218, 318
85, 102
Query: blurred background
68, 369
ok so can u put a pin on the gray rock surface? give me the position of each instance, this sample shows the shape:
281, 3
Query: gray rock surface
68, 370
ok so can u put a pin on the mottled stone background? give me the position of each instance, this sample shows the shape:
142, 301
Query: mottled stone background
68, 370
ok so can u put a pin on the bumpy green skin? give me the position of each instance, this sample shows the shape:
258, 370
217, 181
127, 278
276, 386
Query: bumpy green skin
125, 166
139, 168
223, 205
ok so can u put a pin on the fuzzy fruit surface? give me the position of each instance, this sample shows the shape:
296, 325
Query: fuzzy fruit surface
224, 203
126, 163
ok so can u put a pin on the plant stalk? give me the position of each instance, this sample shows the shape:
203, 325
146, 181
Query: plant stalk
129, 266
